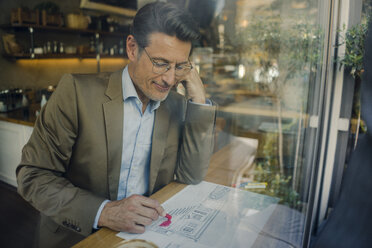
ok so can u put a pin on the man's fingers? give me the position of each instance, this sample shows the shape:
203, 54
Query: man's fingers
148, 212
142, 220
154, 204
194, 86
161, 211
131, 214
137, 228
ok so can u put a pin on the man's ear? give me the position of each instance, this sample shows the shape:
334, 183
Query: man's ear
132, 48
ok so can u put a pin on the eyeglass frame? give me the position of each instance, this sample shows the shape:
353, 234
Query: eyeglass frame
168, 67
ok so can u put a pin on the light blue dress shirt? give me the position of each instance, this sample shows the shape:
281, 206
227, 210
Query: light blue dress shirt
137, 136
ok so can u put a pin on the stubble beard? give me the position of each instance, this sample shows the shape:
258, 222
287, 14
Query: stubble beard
146, 97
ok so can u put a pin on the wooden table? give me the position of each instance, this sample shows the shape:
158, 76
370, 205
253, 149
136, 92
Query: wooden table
105, 237
226, 167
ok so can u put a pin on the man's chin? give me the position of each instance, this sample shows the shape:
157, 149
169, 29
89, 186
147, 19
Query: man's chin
160, 98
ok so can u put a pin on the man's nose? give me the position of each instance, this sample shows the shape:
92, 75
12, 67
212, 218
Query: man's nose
170, 76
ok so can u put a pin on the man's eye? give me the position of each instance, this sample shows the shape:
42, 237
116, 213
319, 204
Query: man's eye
182, 67
159, 64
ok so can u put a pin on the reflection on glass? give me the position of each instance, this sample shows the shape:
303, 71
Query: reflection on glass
259, 61
352, 59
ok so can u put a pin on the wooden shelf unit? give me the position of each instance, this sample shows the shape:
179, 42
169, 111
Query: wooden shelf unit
96, 34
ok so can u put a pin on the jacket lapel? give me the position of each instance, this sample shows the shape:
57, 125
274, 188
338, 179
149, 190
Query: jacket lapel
113, 116
159, 139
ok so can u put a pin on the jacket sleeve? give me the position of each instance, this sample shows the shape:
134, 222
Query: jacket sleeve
46, 158
197, 143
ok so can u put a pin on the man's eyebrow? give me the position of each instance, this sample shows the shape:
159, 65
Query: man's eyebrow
162, 59
183, 63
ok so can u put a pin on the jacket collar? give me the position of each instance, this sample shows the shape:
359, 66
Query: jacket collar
114, 88
113, 116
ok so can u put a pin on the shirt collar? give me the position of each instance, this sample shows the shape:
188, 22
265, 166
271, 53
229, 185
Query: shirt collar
129, 90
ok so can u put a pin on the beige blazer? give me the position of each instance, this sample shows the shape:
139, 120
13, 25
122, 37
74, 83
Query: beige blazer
72, 160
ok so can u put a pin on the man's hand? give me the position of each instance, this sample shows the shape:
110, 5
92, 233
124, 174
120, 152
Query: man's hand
194, 86
130, 214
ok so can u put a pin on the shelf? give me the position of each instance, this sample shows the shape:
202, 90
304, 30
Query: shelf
37, 30
62, 29
59, 56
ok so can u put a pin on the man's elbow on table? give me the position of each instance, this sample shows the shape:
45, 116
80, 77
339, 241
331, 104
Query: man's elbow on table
191, 177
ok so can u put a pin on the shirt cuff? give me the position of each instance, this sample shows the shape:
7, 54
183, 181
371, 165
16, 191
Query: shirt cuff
207, 102
95, 224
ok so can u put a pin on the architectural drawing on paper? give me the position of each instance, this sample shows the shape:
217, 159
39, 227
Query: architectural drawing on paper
191, 221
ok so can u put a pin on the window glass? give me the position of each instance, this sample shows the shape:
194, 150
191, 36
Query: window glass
260, 62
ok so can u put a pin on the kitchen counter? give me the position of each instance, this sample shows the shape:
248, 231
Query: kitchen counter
24, 116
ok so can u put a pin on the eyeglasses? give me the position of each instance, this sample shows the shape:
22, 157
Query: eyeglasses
162, 67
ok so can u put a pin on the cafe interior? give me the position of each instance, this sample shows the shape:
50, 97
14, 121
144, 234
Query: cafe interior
281, 73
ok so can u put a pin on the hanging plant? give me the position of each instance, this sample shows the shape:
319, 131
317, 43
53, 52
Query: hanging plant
354, 41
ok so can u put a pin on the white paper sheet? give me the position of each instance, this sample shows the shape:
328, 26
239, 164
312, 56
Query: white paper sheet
210, 215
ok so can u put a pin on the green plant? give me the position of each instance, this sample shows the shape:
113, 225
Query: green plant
277, 185
354, 41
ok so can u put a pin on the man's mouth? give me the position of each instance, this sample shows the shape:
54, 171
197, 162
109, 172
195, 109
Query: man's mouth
162, 88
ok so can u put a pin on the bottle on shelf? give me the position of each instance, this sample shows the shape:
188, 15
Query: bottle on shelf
121, 47
55, 47
25, 106
43, 100
61, 48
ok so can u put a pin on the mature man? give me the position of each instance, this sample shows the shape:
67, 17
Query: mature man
105, 142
